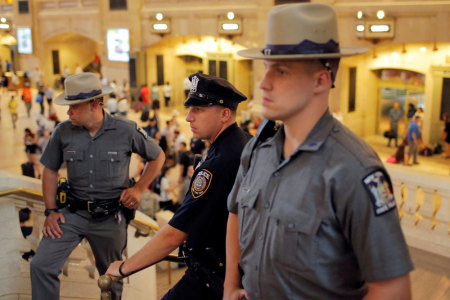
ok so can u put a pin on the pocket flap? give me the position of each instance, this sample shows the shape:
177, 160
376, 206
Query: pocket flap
111, 156
71, 155
247, 196
296, 220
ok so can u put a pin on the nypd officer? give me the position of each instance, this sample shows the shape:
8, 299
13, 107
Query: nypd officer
202, 218
312, 213
96, 148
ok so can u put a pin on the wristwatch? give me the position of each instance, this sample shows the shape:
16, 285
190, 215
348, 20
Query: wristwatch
48, 211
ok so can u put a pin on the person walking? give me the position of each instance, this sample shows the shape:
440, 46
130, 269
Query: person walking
395, 116
12, 105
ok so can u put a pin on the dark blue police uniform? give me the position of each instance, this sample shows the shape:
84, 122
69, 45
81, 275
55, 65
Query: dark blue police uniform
203, 214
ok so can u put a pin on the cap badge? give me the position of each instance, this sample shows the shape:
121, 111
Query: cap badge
194, 82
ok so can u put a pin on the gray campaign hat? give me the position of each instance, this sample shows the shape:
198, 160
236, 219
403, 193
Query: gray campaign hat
207, 90
81, 88
302, 31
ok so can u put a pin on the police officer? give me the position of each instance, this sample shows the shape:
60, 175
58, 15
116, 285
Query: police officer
96, 148
305, 221
201, 219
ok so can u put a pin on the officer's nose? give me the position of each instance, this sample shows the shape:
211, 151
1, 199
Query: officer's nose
69, 111
265, 82
189, 117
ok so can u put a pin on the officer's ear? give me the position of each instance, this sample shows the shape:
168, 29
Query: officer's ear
226, 114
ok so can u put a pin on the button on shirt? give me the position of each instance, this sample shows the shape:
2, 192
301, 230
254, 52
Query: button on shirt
98, 167
307, 226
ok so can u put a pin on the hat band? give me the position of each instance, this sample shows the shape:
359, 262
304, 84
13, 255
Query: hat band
83, 95
305, 47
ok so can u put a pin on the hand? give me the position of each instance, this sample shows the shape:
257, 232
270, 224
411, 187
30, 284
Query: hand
237, 294
51, 226
113, 268
131, 197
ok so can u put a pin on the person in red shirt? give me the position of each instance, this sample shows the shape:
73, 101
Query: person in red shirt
26, 97
145, 96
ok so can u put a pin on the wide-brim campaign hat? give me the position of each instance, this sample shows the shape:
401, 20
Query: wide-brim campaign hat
302, 31
82, 87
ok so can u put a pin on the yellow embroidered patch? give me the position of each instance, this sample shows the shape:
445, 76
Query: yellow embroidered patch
201, 183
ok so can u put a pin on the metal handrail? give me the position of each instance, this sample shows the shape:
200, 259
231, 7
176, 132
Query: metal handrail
105, 281
25, 192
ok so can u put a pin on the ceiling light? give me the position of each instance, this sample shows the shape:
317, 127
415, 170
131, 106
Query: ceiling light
230, 15
380, 14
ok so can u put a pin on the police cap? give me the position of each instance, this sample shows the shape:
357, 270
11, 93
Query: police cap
207, 90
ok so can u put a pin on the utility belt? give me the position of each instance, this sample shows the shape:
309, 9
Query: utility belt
97, 208
206, 267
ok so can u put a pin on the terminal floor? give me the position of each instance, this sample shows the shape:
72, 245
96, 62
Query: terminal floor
430, 279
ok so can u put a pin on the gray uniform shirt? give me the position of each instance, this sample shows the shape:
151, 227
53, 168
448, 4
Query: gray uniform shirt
319, 224
98, 167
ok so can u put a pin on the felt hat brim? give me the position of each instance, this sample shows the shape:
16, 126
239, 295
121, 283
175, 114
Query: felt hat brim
61, 98
257, 53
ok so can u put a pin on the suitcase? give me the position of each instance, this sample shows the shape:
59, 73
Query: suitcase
28, 169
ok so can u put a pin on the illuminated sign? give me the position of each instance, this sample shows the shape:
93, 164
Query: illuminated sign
118, 44
24, 41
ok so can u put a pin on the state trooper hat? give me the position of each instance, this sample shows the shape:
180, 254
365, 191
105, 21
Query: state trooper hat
207, 90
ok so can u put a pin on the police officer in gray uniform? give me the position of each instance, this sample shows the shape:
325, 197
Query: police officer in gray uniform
312, 212
96, 148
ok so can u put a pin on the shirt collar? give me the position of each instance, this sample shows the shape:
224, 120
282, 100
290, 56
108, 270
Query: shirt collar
314, 140
222, 136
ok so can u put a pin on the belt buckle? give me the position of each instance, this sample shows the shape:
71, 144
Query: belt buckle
89, 206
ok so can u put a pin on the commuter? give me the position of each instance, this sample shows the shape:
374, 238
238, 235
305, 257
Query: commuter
96, 148
186, 86
446, 134
12, 105
201, 219
30, 141
414, 138
26, 98
167, 92
411, 111
48, 93
155, 98
304, 222
395, 116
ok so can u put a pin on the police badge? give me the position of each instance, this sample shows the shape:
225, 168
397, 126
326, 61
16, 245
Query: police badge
380, 190
201, 183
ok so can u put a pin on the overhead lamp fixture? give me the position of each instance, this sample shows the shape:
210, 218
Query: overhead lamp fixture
423, 49
229, 24
159, 24
380, 14
359, 15
4, 26
374, 28
3, 20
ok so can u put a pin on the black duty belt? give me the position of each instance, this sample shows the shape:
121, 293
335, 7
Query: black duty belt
97, 208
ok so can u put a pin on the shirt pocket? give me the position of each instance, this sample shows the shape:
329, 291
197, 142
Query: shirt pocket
246, 199
111, 162
293, 241
76, 165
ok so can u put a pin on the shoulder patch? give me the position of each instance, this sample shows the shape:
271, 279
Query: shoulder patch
142, 131
201, 183
380, 190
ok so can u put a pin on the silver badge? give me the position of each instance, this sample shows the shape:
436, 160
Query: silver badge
194, 82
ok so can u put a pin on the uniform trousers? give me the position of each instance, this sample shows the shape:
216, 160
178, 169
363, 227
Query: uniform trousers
191, 287
106, 236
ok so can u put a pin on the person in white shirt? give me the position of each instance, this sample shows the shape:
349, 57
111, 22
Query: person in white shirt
111, 104
167, 91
